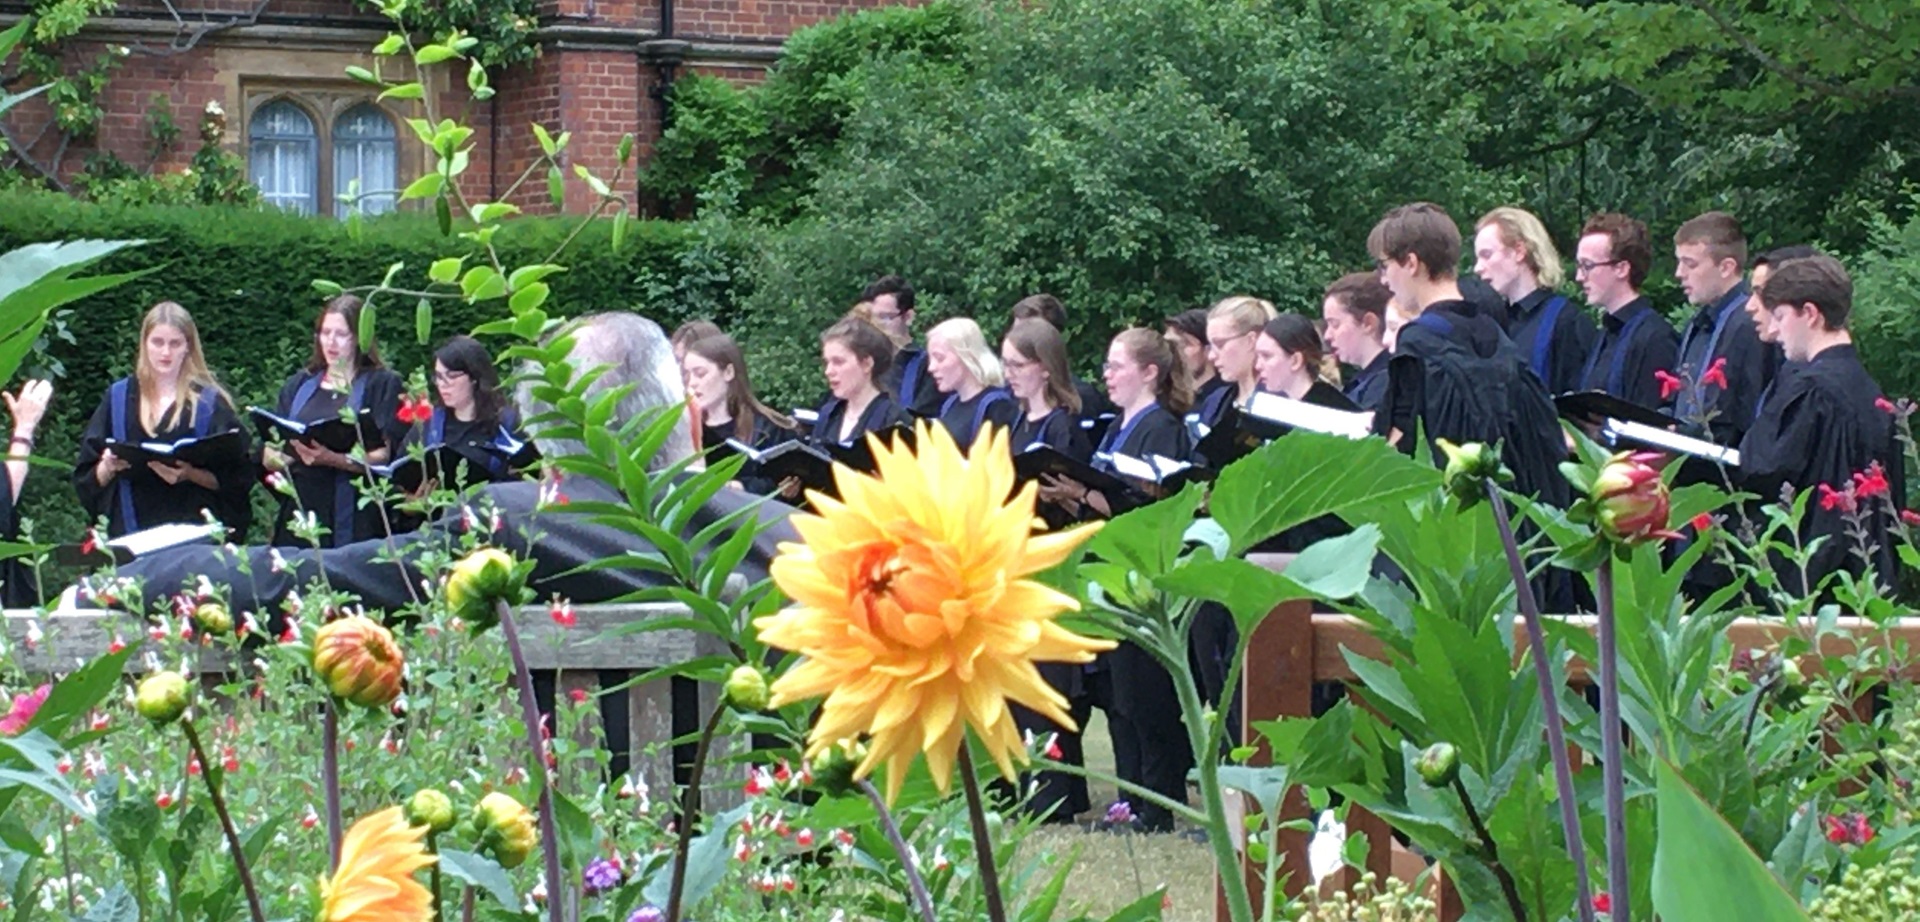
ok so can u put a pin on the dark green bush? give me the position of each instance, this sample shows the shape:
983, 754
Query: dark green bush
247, 277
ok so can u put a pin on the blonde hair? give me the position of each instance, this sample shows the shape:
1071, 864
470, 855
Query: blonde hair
860, 311
1245, 312
963, 336
1519, 228
195, 378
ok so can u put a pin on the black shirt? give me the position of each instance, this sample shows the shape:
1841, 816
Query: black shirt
881, 413
966, 419
1821, 425
154, 501
1057, 430
1368, 389
1635, 342
1559, 360
910, 383
1723, 330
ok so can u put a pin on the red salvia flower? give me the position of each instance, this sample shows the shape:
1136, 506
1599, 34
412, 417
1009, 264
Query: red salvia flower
1716, 373
1670, 384
1885, 406
1910, 518
1602, 903
562, 613
1832, 499
1871, 482
1702, 522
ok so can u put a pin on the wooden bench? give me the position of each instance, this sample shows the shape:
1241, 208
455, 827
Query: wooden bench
578, 654
1295, 648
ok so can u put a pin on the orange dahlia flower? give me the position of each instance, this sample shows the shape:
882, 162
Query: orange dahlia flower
374, 882
912, 611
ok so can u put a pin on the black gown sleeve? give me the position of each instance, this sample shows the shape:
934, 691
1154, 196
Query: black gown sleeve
233, 502
93, 496
1656, 348
382, 398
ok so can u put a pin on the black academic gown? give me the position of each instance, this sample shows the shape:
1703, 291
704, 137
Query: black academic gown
1368, 388
966, 419
1474, 387
476, 440
1554, 335
1093, 401
1723, 330
1820, 425
910, 383
1635, 342
1143, 714
1060, 431
766, 434
881, 413
19, 585
333, 495
138, 498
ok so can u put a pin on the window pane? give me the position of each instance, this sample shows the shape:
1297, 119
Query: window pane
364, 148
281, 158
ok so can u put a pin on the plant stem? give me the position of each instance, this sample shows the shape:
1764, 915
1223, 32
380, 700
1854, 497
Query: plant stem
982, 840
433, 874
689, 806
226, 822
1612, 754
1490, 853
916, 885
1207, 770
330, 778
1550, 701
66, 868
466, 905
1126, 787
530, 714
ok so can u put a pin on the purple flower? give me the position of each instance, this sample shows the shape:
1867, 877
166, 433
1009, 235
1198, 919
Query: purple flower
1120, 813
646, 914
601, 875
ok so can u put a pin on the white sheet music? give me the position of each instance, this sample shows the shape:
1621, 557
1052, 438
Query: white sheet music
1617, 429
1302, 415
161, 537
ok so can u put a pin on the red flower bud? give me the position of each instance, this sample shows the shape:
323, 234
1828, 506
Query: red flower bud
359, 661
1630, 501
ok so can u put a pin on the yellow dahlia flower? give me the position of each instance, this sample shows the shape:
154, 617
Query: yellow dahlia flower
374, 882
912, 613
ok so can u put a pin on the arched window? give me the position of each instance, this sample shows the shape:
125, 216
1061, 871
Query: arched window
365, 148
282, 159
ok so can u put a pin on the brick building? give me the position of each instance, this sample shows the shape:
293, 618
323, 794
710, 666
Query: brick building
277, 68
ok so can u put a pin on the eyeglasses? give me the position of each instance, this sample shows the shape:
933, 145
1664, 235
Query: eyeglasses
1219, 344
888, 316
1116, 366
1588, 265
1016, 364
448, 377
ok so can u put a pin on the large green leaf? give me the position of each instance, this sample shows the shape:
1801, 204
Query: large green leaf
1334, 568
481, 872
1307, 475
1148, 540
1703, 871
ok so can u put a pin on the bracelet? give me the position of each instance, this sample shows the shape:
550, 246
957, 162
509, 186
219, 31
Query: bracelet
22, 440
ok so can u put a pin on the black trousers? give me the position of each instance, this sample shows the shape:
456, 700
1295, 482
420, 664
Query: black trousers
1058, 797
1150, 747
1212, 638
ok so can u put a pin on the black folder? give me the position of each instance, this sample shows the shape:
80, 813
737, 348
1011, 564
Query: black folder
1598, 406
1041, 459
332, 433
217, 450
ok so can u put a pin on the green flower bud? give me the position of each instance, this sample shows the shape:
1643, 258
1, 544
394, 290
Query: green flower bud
213, 618
1468, 467
478, 580
747, 688
162, 697
505, 829
1439, 765
833, 768
430, 808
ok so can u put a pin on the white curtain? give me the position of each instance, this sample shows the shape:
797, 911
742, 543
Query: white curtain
364, 149
281, 161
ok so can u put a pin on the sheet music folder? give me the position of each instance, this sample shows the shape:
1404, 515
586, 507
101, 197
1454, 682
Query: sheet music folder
813, 464
215, 450
1617, 430
1598, 406
332, 433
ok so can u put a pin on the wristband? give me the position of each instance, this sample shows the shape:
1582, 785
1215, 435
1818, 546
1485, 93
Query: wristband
22, 440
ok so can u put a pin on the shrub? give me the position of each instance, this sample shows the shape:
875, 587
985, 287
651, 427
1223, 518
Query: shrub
246, 275
1886, 279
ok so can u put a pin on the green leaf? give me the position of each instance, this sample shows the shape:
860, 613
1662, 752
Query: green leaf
446, 270
443, 214
367, 329
707, 860
405, 91
423, 320
527, 275
593, 182
1148, 539
390, 45
117, 905
489, 212
619, 235
556, 187
482, 873
546, 140
1306, 475
476, 76
432, 54
1266, 784
80, 692
427, 186
1144, 909
577, 833
528, 298
1703, 871
365, 76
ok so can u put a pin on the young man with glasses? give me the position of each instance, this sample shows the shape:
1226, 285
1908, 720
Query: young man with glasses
1611, 264
909, 381
1710, 251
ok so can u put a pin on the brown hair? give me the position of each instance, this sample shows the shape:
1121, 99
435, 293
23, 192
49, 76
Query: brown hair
1818, 280
1627, 241
1042, 306
348, 307
1519, 227
195, 377
724, 353
1170, 385
693, 331
1422, 229
1361, 294
1721, 234
865, 341
1039, 341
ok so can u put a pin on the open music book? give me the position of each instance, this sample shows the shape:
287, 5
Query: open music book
1288, 413
332, 433
1597, 406
160, 537
1617, 430
215, 450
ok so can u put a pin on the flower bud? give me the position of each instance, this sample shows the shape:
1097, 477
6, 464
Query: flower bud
747, 688
213, 618
430, 808
162, 697
1468, 468
834, 767
1439, 765
358, 661
478, 580
1630, 500
505, 829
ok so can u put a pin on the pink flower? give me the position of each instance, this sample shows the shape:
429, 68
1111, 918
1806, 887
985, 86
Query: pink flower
562, 613
1885, 406
1630, 500
1602, 903
1701, 522
1832, 499
1670, 384
1910, 518
1871, 482
24, 707
1716, 374
577, 695
1851, 829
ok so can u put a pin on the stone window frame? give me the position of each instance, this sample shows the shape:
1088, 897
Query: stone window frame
324, 103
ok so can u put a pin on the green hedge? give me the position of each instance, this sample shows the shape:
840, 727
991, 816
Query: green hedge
246, 276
